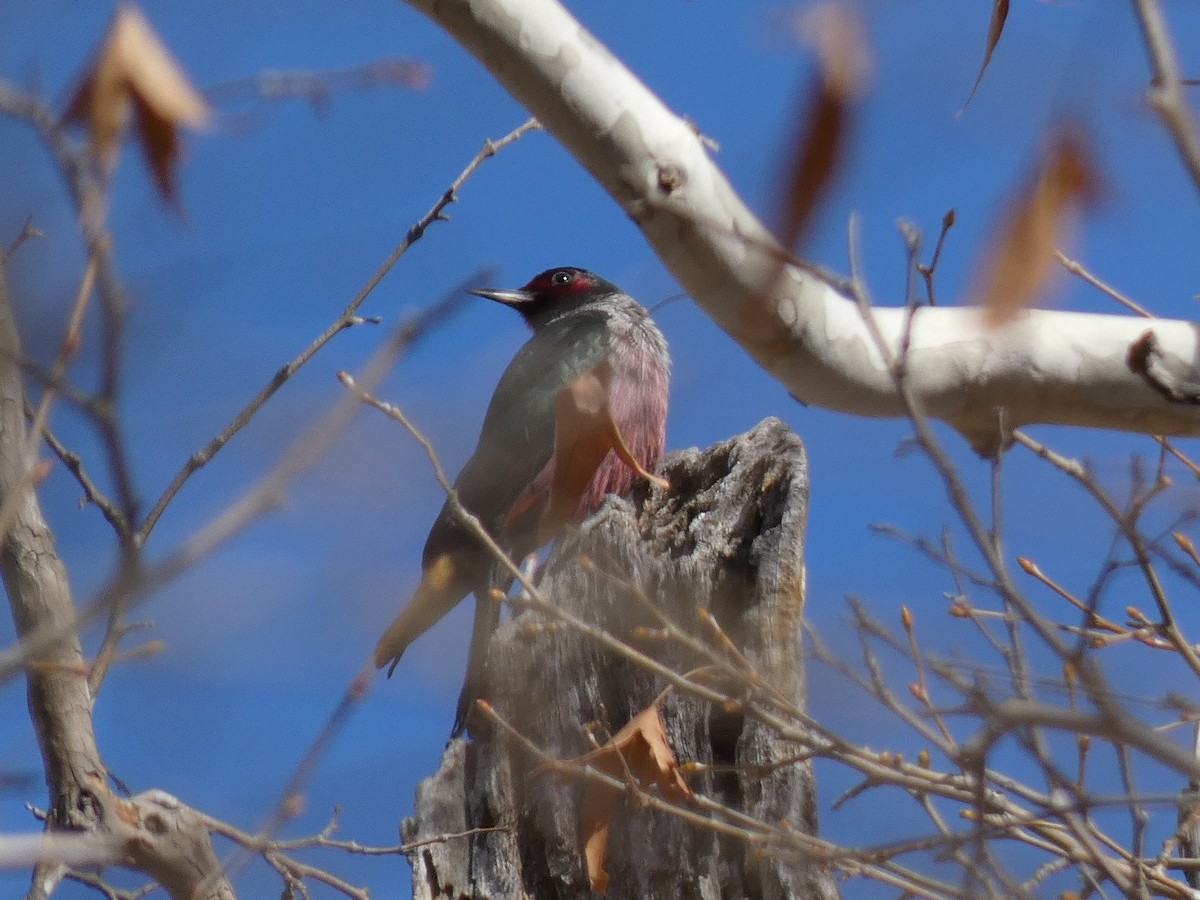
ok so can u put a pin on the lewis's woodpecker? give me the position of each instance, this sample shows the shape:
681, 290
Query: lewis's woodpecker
579, 413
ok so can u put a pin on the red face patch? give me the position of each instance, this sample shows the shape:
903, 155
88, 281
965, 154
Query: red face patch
562, 282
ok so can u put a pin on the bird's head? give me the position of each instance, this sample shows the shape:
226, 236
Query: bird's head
552, 293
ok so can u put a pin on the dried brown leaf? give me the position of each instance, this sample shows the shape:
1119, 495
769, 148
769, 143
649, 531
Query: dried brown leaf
639, 750
1042, 211
133, 73
836, 34
995, 29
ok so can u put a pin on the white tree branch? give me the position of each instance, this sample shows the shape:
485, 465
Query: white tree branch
1054, 367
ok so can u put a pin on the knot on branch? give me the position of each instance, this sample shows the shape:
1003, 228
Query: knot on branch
169, 840
1175, 380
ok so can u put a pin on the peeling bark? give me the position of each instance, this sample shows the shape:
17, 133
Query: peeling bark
728, 537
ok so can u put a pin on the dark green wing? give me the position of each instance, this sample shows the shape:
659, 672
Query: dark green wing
517, 439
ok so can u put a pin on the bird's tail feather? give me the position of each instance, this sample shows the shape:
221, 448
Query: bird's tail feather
440, 590
487, 617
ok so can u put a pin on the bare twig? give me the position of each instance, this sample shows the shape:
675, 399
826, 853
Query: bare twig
28, 232
66, 351
929, 272
1077, 269
1166, 94
91, 491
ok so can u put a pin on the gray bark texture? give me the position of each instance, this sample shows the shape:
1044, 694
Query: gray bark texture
728, 537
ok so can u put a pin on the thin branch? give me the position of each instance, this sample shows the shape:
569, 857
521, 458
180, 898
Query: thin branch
1077, 269
28, 232
1166, 94
98, 884
929, 272
91, 492
66, 351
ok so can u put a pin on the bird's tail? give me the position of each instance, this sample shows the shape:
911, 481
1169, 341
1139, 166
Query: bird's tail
440, 590
487, 617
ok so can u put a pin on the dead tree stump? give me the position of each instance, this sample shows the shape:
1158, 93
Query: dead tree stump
729, 537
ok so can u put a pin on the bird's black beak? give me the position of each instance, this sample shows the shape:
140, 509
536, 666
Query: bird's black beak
508, 298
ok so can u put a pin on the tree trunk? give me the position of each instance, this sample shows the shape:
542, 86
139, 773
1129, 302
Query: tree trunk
727, 537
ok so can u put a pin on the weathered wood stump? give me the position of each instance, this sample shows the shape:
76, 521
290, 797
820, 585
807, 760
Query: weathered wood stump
729, 537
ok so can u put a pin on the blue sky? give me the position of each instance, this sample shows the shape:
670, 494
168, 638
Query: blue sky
289, 211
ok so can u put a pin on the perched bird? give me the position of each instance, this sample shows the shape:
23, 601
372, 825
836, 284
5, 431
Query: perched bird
579, 413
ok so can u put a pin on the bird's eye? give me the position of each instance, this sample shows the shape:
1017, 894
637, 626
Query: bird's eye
561, 279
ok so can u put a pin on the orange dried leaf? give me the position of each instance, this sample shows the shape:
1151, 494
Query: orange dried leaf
595, 818
1025, 243
132, 72
995, 29
639, 750
844, 62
